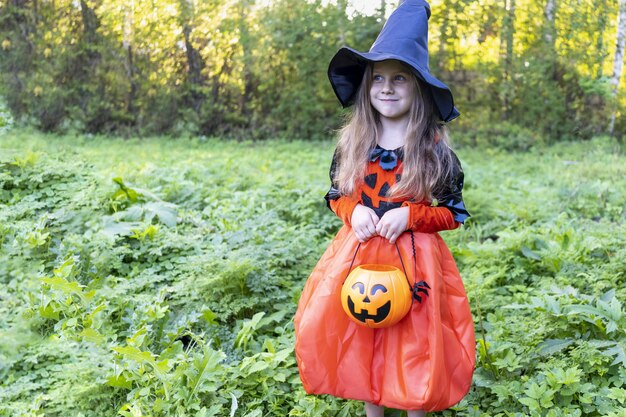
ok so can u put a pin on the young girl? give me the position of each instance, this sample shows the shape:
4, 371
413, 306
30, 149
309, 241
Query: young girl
395, 184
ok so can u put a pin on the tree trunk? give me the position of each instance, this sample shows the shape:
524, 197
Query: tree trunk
90, 23
506, 51
441, 56
453, 25
17, 20
549, 38
549, 12
602, 25
127, 44
195, 63
25, 23
35, 13
91, 39
244, 40
618, 62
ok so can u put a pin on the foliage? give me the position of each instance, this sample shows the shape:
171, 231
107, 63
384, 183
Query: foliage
160, 277
504, 136
258, 68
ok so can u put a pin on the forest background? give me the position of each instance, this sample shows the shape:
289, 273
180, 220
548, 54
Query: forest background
257, 68
149, 267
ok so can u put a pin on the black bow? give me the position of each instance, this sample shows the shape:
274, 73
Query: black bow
388, 158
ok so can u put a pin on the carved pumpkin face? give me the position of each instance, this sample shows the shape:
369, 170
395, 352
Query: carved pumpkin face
376, 295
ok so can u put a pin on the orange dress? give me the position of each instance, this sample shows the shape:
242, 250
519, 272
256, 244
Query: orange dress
424, 362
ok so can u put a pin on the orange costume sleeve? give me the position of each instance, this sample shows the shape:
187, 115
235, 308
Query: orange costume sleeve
343, 208
341, 205
427, 219
450, 211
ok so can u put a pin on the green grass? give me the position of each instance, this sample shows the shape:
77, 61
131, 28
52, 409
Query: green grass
171, 290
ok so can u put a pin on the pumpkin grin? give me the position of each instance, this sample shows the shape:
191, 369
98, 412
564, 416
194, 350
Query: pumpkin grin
376, 295
381, 313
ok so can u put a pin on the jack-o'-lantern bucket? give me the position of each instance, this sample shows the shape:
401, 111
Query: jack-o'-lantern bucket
376, 295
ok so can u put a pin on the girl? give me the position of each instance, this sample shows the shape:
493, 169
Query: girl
395, 183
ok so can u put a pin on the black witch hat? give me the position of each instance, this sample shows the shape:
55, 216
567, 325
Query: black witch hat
404, 38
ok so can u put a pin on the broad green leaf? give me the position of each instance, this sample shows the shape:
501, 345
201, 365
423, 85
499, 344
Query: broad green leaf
132, 353
162, 366
205, 366
49, 312
166, 212
129, 410
269, 346
501, 390
119, 381
535, 391
531, 403
90, 335
551, 346
618, 394
137, 340
209, 316
128, 192
257, 367
61, 284
587, 311
282, 355
247, 330
618, 352
527, 252
65, 269
114, 228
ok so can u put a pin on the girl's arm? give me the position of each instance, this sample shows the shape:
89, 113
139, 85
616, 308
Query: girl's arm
427, 219
450, 212
341, 205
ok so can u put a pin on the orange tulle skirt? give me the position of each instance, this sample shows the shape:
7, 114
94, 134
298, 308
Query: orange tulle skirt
425, 362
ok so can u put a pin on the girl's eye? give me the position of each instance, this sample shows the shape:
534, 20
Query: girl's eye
400, 78
377, 77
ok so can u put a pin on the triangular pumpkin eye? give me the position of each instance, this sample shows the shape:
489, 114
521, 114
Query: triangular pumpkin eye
378, 287
360, 286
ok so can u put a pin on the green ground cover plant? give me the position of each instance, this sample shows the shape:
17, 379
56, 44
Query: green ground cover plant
159, 277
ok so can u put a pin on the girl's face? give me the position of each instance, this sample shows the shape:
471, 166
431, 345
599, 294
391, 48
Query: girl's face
393, 89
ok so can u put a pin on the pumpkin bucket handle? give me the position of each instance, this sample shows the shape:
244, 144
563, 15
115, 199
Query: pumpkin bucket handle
406, 276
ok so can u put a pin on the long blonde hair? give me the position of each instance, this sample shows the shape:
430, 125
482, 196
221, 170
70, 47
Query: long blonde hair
427, 157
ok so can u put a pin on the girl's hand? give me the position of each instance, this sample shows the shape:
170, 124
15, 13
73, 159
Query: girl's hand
364, 221
393, 223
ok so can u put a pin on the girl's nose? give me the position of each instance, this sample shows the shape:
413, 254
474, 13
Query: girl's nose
387, 87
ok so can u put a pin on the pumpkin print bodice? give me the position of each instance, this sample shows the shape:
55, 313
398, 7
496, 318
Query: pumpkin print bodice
384, 170
376, 186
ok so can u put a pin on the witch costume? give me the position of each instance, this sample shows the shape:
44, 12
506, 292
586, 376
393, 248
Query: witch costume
425, 361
